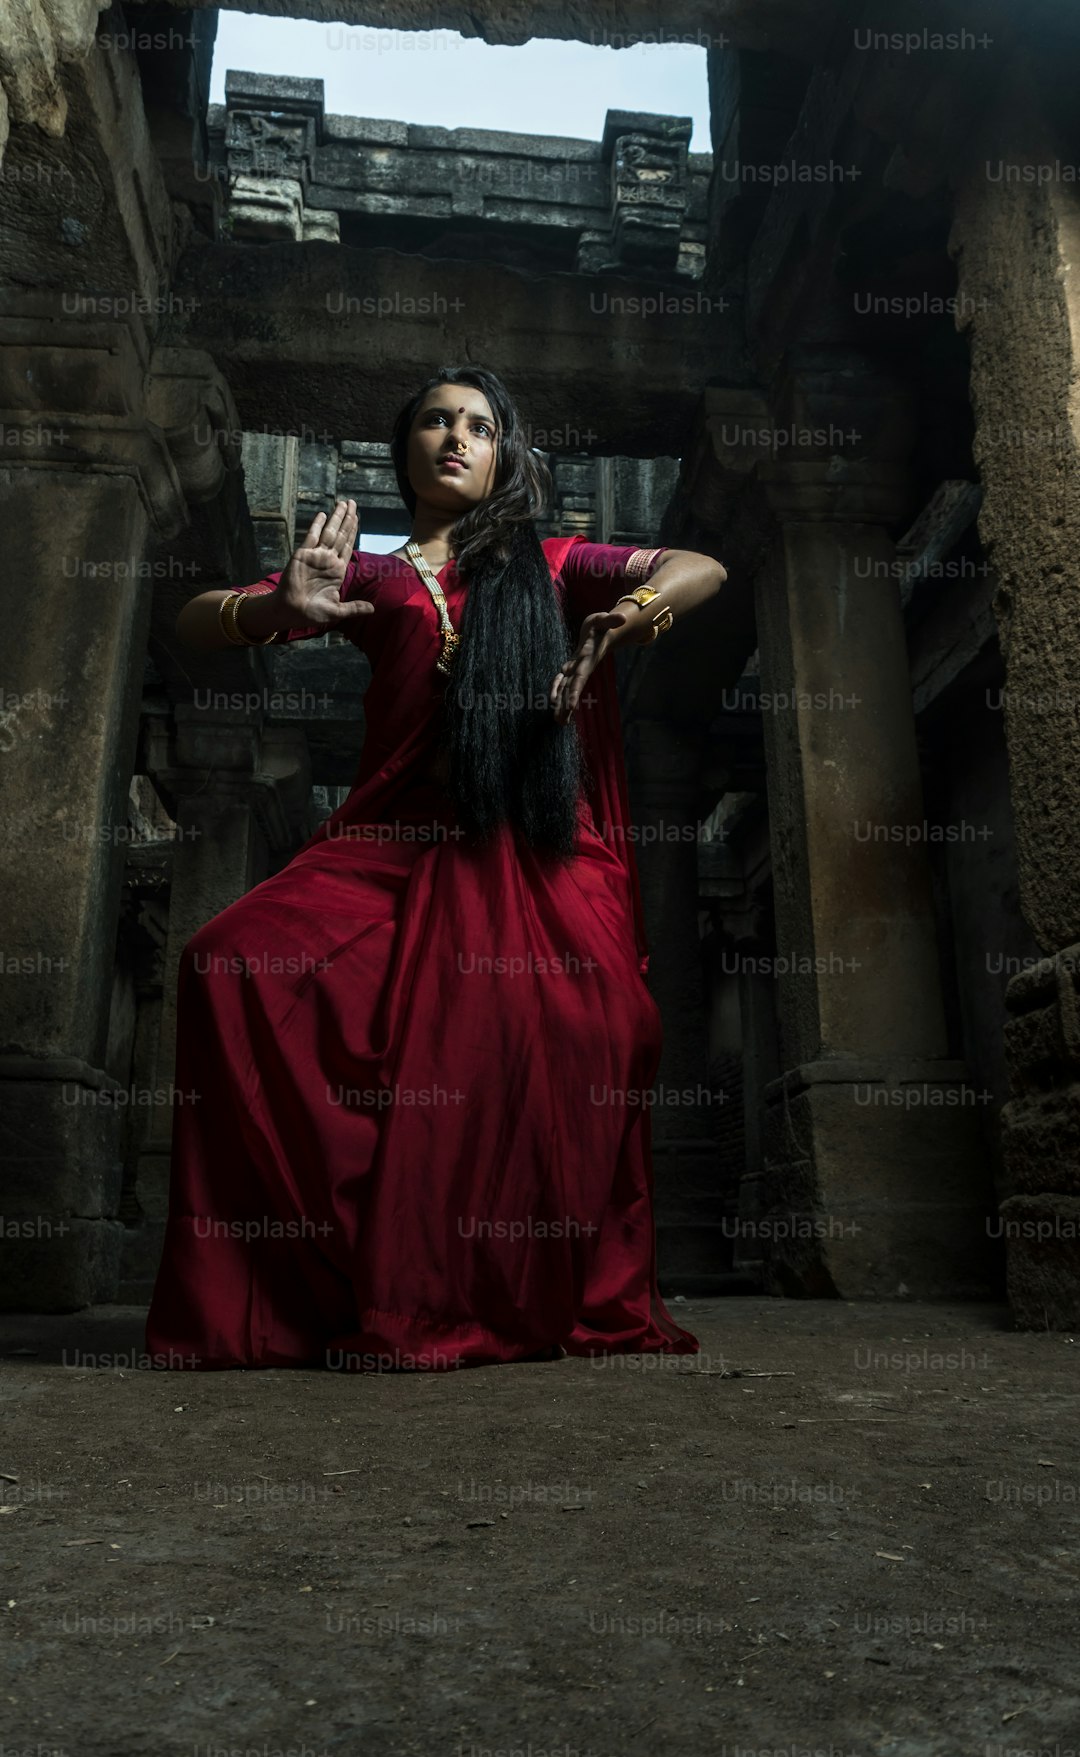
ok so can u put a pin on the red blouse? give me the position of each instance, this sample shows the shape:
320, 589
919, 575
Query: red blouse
586, 582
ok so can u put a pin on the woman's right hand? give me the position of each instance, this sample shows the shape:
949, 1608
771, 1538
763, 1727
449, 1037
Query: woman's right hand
309, 590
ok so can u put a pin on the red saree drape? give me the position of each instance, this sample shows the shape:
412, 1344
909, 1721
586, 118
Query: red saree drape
415, 1131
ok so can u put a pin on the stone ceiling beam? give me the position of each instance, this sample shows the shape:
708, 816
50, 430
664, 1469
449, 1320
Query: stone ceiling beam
327, 342
795, 26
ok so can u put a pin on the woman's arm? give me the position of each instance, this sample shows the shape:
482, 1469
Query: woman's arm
684, 580
199, 622
306, 596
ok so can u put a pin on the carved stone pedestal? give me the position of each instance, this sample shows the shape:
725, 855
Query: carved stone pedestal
868, 1187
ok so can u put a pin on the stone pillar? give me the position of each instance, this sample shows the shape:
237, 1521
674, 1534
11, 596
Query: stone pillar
271, 484
238, 791
89, 492
873, 1156
1014, 239
72, 683
107, 443
664, 777
91, 488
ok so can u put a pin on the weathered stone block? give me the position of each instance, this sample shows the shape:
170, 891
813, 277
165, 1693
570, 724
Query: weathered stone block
872, 1189
265, 207
322, 224
1040, 1139
66, 1265
1042, 1234
63, 1144
271, 474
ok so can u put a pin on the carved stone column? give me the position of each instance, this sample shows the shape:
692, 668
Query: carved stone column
73, 679
1014, 239
239, 792
93, 480
873, 1162
110, 441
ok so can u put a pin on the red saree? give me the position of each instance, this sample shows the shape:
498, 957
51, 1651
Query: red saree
421, 1137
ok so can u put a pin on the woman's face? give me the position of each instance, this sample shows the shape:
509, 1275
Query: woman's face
454, 421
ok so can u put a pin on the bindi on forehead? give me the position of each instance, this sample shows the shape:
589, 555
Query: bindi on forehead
447, 409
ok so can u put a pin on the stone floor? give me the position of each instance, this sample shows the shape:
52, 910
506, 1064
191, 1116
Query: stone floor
841, 1528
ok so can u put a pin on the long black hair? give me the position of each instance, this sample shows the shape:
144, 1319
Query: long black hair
509, 760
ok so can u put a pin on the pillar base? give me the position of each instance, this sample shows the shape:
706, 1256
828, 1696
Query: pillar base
1043, 1276
59, 1239
58, 1263
875, 1185
1040, 1142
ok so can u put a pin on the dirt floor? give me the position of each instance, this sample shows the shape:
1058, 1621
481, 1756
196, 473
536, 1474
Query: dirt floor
844, 1529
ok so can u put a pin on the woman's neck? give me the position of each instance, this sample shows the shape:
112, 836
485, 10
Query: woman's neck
431, 528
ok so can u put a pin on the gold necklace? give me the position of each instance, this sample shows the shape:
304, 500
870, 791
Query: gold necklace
451, 640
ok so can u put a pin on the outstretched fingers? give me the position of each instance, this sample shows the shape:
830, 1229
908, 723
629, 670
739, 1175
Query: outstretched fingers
350, 524
333, 528
314, 531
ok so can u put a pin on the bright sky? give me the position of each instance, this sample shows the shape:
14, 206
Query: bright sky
439, 77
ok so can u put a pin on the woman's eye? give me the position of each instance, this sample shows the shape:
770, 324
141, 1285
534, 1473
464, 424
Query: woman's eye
483, 427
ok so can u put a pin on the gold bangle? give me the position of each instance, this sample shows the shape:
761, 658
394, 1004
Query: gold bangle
226, 620
641, 595
660, 623
227, 615
663, 619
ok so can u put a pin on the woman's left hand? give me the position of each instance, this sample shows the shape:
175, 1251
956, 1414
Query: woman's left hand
593, 646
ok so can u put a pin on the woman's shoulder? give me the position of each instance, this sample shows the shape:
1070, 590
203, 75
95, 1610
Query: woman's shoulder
557, 550
578, 556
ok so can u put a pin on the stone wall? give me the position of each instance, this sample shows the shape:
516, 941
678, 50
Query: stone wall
807, 375
637, 199
1015, 239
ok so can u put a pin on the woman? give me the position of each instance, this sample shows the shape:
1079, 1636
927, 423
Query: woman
397, 1156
